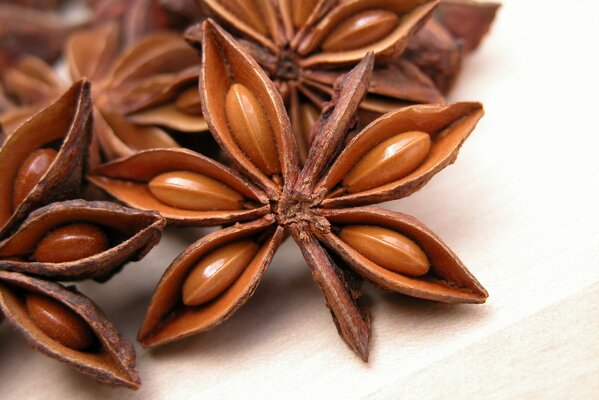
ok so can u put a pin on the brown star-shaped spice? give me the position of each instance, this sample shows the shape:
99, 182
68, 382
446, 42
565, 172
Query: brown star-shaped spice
320, 205
304, 46
142, 95
45, 237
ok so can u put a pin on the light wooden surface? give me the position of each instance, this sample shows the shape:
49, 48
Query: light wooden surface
520, 207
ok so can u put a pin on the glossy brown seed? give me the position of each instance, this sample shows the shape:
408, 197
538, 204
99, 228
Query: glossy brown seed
191, 191
301, 11
215, 272
31, 172
360, 30
189, 101
71, 242
251, 128
390, 160
387, 248
59, 322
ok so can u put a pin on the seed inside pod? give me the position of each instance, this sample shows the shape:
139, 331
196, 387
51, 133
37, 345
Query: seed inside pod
390, 160
387, 248
216, 271
251, 129
301, 11
30, 172
191, 191
360, 30
189, 101
59, 322
71, 242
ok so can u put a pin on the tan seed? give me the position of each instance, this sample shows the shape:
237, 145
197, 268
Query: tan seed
217, 271
70, 243
31, 172
390, 160
387, 248
360, 30
191, 191
59, 322
189, 101
301, 11
251, 129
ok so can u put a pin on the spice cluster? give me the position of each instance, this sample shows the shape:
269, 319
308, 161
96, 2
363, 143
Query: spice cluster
272, 120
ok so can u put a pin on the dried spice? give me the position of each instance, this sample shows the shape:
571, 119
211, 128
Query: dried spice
45, 236
138, 94
305, 46
319, 205
64, 324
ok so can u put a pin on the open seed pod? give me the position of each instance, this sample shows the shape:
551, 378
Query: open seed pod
397, 252
64, 324
398, 153
42, 161
356, 26
245, 114
75, 240
209, 281
305, 46
185, 187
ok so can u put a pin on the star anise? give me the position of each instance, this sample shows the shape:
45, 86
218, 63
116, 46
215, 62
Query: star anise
306, 45
45, 236
138, 94
319, 205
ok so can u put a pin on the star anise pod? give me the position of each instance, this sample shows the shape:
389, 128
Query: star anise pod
319, 205
306, 45
141, 95
46, 237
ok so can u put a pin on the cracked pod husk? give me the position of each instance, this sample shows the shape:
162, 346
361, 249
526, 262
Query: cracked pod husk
129, 180
110, 358
63, 127
448, 126
128, 234
447, 279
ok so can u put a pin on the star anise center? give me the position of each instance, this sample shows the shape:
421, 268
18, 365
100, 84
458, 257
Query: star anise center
296, 208
288, 69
